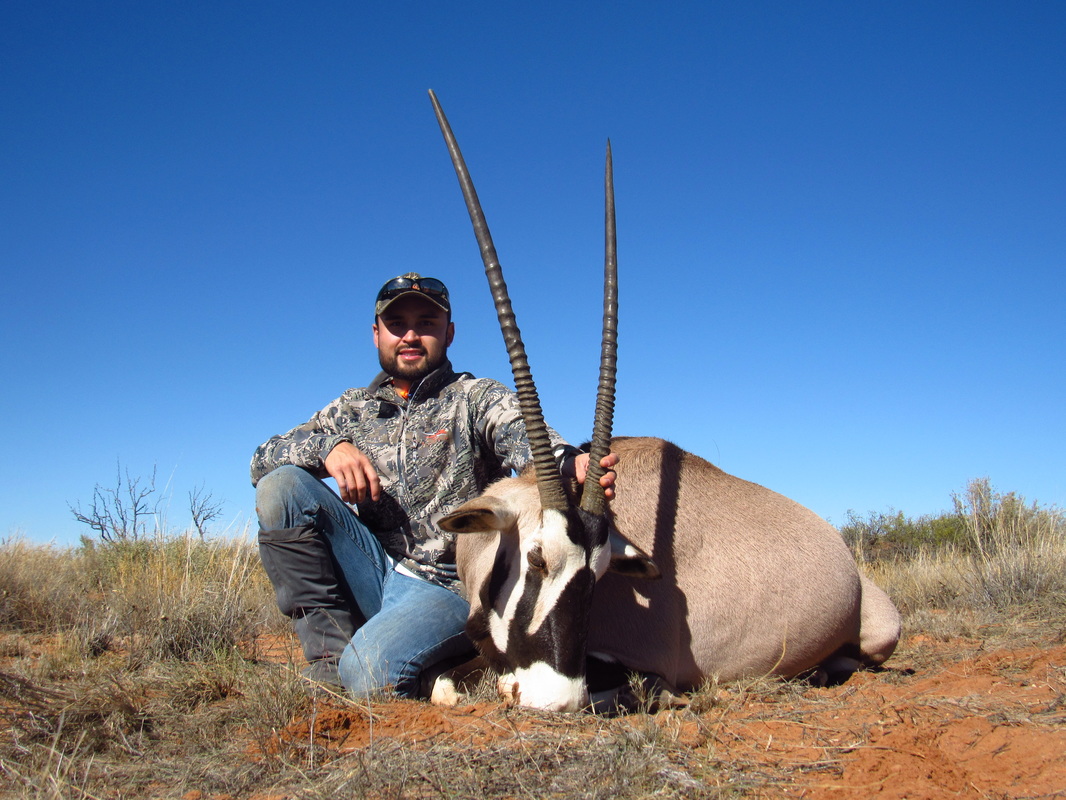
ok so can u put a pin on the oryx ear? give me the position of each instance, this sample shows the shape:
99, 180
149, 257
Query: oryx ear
628, 559
480, 515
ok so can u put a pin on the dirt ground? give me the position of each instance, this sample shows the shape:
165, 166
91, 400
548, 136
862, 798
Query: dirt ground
946, 719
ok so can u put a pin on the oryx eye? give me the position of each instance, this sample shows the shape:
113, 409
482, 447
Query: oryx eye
536, 560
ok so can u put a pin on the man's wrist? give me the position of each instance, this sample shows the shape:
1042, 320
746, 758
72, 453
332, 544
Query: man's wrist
330, 442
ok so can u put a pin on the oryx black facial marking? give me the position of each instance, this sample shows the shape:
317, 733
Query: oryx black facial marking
546, 622
478, 626
557, 639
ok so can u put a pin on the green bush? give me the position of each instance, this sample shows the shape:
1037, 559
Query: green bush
983, 521
892, 535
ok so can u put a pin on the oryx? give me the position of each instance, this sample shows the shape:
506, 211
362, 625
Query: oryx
691, 574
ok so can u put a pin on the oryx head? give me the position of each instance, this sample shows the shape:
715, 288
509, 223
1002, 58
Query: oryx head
542, 554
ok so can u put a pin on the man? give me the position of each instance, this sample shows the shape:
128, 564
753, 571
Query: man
374, 592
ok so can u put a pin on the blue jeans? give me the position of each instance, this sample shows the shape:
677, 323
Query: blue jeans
411, 624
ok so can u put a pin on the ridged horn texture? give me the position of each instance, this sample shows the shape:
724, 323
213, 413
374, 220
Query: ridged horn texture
592, 499
549, 481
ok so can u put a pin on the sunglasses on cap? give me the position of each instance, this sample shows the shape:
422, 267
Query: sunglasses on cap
425, 285
433, 289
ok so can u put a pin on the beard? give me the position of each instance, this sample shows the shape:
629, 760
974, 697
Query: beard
394, 367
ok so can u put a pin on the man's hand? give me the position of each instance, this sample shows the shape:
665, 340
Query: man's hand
355, 476
581, 468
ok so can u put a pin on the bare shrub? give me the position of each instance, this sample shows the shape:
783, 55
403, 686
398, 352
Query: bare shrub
204, 509
130, 512
121, 514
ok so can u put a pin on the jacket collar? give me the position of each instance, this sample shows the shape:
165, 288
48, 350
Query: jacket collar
382, 388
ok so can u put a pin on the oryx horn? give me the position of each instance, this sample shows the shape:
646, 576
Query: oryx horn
547, 471
592, 498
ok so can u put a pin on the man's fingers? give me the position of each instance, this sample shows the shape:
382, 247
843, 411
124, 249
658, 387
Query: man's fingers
355, 474
373, 483
360, 482
608, 462
353, 490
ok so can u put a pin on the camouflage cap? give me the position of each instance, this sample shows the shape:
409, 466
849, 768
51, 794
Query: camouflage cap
412, 283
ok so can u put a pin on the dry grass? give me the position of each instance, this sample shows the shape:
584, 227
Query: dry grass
131, 670
122, 651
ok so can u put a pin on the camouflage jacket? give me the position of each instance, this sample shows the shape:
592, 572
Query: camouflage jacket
437, 449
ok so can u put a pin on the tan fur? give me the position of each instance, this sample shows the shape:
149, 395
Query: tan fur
752, 582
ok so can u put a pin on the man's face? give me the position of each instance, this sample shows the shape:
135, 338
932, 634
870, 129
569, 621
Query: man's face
412, 339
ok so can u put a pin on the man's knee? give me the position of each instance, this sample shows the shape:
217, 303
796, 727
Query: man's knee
275, 495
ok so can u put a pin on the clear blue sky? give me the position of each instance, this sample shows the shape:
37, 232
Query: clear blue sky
842, 232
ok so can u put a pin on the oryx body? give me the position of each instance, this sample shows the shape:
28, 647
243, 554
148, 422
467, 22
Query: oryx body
751, 582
